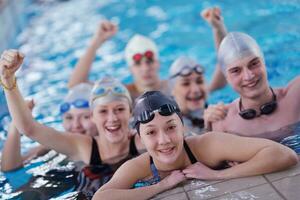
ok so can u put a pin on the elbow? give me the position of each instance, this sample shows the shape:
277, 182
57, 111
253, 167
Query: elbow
292, 159
288, 157
27, 129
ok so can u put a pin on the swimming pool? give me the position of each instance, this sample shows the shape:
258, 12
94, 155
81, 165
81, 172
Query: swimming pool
58, 32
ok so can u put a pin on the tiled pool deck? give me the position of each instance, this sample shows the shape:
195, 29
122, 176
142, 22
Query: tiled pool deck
276, 186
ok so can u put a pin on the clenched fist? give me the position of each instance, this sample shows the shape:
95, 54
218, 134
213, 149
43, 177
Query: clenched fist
10, 62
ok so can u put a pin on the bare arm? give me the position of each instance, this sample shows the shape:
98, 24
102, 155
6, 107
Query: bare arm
129, 173
255, 155
11, 152
215, 20
73, 145
81, 71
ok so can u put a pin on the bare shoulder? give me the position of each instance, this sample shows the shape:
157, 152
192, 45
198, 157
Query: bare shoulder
294, 85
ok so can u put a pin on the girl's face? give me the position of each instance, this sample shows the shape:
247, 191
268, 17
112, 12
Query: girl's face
189, 92
112, 120
163, 138
78, 120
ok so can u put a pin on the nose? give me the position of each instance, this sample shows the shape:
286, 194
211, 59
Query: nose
247, 74
195, 88
112, 117
163, 138
77, 123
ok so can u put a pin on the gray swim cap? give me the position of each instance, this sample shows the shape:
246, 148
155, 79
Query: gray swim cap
107, 90
183, 66
236, 46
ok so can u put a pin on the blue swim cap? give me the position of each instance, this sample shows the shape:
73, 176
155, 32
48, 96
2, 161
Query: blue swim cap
150, 102
236, 46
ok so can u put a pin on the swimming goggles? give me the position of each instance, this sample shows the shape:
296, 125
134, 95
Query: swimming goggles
187, 70
137, 58
165, 110
103, 91
265, 109
78, 103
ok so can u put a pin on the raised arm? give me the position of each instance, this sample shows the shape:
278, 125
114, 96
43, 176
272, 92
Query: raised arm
81, 71
73, 145
215, 20
129, 173
11, 152
255, 155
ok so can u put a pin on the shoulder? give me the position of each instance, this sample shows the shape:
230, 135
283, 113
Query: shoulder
292, 87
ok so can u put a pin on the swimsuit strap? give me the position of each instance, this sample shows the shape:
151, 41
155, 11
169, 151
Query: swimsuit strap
154, 169
189, 153
132, 148
95, 156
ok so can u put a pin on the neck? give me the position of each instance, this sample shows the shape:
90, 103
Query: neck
181, 163
255, 103
110, 150
142, 88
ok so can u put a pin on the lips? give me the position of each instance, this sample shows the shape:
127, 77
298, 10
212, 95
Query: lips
196, 98
167, 151
113, 128
251, 84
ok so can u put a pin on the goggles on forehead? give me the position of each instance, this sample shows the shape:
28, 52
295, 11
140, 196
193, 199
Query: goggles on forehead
103, 91
165, 110
78, 103
137, 58
187, 70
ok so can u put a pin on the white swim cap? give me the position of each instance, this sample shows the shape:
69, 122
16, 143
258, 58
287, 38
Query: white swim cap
139, 44
236, 46
78, 97
107, 90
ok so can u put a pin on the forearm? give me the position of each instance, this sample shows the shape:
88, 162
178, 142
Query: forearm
11, 153
265, 161
83, 67
219, 33
19, 111
134, 194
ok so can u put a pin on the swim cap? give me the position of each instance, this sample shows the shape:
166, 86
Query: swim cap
236, 46
107, 90
151, 101
139, 44
183, 66
78, 96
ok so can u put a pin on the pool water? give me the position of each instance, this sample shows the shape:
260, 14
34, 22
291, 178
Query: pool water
59, 31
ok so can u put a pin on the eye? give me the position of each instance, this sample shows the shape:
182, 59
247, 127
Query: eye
235, 71
150, 132
171, 127
255, 64
199, 81
87, 117
102, 111
185, 84
68, 117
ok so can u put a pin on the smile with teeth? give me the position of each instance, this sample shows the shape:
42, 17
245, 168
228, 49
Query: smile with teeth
113, 128
196, 98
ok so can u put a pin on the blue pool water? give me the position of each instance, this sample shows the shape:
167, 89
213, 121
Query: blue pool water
59, 31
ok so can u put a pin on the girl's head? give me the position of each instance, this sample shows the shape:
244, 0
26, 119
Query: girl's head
187, 84
75, 111
158, 120
111, 109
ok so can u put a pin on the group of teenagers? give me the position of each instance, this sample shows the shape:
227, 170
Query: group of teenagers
154, 134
